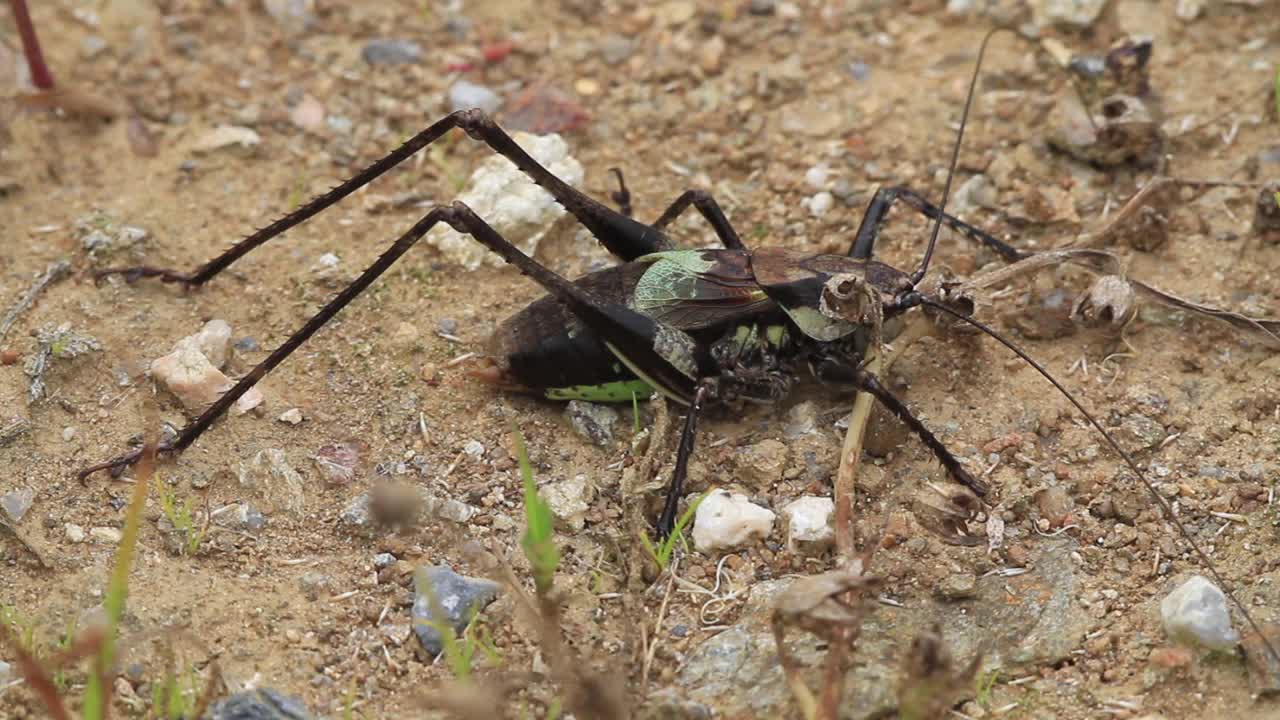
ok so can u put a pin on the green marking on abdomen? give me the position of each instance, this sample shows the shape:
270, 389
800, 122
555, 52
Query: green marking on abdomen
620, 391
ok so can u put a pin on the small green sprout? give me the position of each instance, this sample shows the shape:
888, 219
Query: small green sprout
539, 538
661, 554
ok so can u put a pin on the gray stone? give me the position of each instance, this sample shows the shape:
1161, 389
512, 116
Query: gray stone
1074, 13
458, 596
314, 584
356, 513
260, 704
387, 51
569, 500
16, 503
269, 473
615, 48
592, 421
1139, 432
1196, 613
763, 463
249, 517
384, 560
957, 586
737, 670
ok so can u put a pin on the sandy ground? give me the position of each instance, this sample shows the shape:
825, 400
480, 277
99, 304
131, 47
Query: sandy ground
679, 95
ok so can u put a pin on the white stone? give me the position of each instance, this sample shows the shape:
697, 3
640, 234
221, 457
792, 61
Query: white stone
1188, 10
464, 95
809, 524
569, 500
820, 203
270, 475
1196, 613
510, 202
192, 371
225, 136
725, 521
189, 375
1076, 13
74, 532
251, 399
816, 176
106, 535
293, 416
212, 340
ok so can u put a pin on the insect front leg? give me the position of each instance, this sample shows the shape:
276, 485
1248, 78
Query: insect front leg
192, 431
667, 520
836, 372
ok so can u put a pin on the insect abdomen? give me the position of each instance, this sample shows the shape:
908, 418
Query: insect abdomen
544, 349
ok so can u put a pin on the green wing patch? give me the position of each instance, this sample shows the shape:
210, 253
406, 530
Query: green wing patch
690, 289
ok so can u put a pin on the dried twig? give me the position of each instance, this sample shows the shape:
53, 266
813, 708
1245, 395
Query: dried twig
56, 271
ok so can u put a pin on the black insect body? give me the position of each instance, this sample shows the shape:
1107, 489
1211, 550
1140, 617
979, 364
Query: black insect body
697, 326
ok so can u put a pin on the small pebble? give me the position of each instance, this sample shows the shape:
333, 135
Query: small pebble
593, 422
725, 521
386, 51
106, 535
1196, 612
464, 95
74, 532
383, 560
569, 500
292, 416
586, 86
816, 177
615, 48
957, 586
258, 704
458, 596
314, 584
763, 463
223, 137
16, 503
809, 524
249, 517
820, 203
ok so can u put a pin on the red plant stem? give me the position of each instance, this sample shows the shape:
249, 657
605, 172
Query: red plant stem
40, 74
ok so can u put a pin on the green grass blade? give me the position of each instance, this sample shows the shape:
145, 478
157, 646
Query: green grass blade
539, 536
97, 689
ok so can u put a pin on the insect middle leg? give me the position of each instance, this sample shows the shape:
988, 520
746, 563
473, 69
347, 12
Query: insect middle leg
878, 209
621, 235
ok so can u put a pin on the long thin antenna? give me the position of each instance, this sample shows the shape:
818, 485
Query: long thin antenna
920, 272
1164, 504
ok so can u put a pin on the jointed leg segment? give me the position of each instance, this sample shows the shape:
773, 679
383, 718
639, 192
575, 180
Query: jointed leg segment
867, 382
883, 200
701, 200
621, 235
